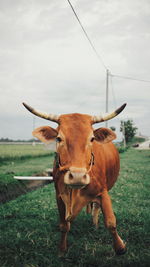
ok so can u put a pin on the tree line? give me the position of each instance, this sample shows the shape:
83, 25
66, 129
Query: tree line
8, 140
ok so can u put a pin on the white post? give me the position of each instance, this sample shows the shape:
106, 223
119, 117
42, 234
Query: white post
32, 178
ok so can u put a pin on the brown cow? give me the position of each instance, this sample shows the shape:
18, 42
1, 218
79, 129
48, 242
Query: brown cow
85, 169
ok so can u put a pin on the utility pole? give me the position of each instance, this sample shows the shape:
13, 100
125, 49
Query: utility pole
124, 139
33, 143
33, 122
107, 91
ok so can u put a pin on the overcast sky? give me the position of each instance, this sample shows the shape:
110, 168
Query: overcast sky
47, 62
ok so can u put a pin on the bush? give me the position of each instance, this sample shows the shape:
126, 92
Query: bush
122, 149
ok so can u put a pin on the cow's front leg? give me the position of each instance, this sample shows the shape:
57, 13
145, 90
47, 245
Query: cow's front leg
110, 223
64, 227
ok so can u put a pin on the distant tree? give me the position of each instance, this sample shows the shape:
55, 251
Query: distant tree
128, 129
113, 128
5, 140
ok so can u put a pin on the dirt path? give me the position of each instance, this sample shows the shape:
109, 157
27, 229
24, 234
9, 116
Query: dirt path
144, 145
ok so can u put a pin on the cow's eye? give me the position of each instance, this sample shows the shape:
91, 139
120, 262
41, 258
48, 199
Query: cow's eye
92, 138
58, 139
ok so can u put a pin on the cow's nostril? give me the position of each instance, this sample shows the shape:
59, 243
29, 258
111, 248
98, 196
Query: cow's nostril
70, 176
84, 176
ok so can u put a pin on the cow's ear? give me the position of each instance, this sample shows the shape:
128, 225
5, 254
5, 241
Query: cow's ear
104, 135
45, 134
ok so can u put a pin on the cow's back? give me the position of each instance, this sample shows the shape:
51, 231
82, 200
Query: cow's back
107, 162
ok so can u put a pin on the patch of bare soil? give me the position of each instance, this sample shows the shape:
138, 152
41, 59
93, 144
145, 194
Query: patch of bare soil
22, 188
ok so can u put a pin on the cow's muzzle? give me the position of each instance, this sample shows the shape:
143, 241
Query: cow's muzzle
77, 178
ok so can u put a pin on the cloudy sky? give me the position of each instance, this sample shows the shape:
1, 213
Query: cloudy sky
47, 62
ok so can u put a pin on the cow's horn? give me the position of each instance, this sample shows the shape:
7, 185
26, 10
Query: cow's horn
107, 116
50, 117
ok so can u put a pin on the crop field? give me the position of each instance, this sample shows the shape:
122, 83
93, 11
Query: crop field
17, 151
29, 233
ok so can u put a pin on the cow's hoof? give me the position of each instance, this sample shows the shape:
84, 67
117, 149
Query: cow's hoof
121, 251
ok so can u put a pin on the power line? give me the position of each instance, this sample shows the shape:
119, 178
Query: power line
129, 78
87, 36
102, 62
97, 54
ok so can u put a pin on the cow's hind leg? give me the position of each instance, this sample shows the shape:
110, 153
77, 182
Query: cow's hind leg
95, 213
110, 223
64, 227
89, 208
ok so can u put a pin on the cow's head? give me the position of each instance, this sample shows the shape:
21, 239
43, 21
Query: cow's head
74, 142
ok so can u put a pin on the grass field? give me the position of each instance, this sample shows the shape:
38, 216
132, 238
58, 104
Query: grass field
29, 232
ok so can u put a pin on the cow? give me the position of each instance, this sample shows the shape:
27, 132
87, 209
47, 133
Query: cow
85, 168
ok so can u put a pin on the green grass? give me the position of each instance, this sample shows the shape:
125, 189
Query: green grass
29, 234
